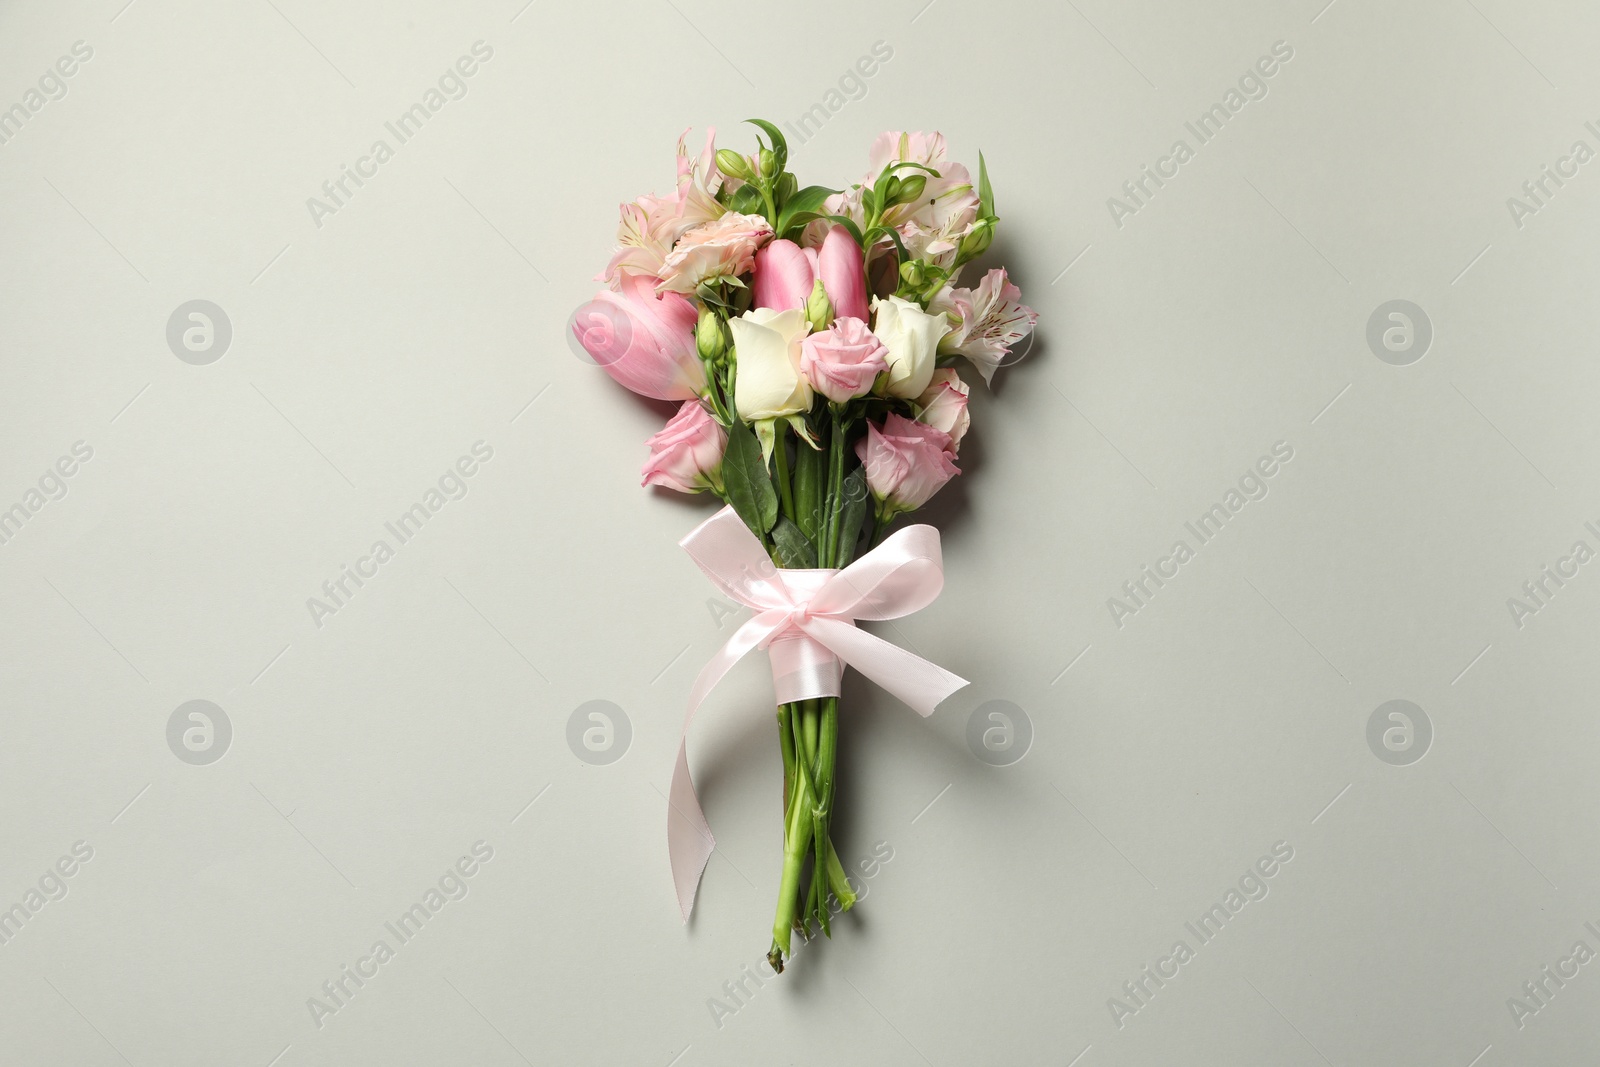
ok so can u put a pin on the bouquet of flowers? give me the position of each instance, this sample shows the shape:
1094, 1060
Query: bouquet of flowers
812, 336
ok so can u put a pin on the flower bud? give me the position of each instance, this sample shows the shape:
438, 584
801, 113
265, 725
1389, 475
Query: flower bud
768, 162
978, 241
733, 164
708, 339
911, 189
819, 309
914, 273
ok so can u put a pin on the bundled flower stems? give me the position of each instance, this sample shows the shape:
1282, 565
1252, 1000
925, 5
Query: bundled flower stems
813, 337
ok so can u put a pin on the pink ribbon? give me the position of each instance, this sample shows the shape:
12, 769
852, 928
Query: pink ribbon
806, 622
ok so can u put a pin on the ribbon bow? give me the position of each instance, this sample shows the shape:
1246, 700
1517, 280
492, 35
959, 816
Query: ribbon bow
806, 622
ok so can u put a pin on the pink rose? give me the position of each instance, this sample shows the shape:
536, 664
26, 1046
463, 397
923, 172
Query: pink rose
987, 321
723, 246
906, 463
944, 405
786, 273
686, 453
643, 339
843, 361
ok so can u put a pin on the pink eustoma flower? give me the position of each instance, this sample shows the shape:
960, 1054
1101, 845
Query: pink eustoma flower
906, 463
843, 361
643, 339
944, 405
686, 453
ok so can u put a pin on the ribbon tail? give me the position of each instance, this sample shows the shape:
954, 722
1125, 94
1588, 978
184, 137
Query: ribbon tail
689, 840
913, 680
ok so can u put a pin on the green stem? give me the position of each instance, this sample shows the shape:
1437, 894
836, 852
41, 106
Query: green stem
796, 839
780, 458
838, 881
830, 539
810, 730
786, 743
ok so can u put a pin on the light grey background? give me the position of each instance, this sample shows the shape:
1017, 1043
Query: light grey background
1230, 713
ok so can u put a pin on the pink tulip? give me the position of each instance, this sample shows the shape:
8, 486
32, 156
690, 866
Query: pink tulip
643, 339
785, 274
906, 462
843, 273
686, 454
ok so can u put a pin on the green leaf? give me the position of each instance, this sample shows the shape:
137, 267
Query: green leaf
849, 224
749, 486
784, 190
807, 202
780, 147
794, 547
856, 502
746, 200
985, 193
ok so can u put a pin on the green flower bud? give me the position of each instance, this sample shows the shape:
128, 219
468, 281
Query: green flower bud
708, 337
733, 164
769, 163
914, 273
819, 309
912, 188
978, 241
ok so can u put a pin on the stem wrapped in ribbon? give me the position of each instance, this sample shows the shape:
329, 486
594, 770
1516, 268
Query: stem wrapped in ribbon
806, 622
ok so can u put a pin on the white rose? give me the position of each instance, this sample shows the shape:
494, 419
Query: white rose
912, 337
768, 383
